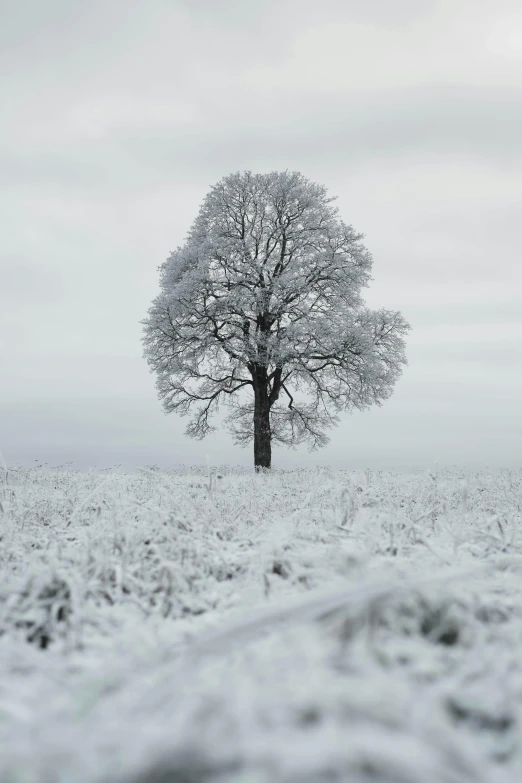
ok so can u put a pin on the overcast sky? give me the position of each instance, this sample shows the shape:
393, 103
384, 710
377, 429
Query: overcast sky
118, 115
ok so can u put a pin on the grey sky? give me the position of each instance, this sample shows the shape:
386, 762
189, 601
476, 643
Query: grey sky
118, 116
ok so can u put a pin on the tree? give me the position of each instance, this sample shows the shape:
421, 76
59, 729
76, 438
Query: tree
261, 309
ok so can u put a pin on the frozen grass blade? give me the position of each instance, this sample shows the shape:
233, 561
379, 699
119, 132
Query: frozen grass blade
245, 627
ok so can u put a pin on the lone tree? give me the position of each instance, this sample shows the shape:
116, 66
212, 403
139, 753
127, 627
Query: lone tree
261, 308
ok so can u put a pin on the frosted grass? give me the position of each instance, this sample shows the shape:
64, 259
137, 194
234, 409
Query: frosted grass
295, 626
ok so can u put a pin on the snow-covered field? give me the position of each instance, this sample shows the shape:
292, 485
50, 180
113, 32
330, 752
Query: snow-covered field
164, 627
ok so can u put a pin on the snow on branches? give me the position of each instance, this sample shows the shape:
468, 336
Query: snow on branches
261, 309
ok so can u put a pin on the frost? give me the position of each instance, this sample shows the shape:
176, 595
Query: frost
300, 626
261, 311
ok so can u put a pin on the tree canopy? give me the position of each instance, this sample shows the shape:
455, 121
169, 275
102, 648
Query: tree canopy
261, 309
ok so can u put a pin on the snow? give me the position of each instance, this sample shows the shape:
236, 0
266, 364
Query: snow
260, 311
305, 626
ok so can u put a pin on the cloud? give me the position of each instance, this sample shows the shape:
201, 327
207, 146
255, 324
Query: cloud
116, 144
119, 116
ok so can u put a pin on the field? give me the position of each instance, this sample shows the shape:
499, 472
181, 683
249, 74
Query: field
293, 627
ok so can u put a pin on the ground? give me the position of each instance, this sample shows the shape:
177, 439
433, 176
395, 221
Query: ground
294, 627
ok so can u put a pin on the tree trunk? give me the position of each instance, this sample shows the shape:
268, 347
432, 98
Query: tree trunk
262, 440
262, 433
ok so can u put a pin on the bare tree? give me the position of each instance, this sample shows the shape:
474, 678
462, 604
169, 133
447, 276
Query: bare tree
261, 309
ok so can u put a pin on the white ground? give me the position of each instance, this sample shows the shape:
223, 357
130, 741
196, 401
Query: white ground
294, 627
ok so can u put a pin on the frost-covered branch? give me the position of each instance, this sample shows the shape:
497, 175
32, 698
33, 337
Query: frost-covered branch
265, 296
